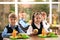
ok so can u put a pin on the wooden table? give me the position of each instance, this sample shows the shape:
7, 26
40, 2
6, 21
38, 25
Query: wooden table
37, 38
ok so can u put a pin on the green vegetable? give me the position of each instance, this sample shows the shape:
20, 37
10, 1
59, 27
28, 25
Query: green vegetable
42, 36
52, 35
24, 36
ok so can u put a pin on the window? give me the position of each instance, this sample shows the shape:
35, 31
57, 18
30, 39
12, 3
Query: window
30, 8
7, 0
6, 9
52, 7
56, 13
33, 0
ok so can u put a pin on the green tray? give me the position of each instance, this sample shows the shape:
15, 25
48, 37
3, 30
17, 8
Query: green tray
27, 37
55, 36
42, 36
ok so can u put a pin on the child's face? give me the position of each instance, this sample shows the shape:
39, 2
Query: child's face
43, 16
12, 21
22, 15
37, 19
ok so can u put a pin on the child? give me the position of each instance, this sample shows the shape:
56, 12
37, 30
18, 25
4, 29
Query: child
37, 25
11, 26
44, 21
22, 21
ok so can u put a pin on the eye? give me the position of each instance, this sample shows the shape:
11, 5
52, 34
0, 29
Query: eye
36, 18
14, 19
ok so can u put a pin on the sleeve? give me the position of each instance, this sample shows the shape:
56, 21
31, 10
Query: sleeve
23, 23
46, 27
29, 31
20, 30
4, 32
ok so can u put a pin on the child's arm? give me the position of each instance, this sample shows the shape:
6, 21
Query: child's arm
32, 31
29, 31
24, 25
20, 30
4, 33
46, 27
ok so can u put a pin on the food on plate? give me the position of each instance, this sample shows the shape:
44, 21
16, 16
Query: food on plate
35, 31
52, 34
42, 36
43, 32
14, 33
13, 37
20, 36
24, 36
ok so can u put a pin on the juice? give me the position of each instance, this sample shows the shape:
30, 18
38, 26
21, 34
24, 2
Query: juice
43, 32
14, 33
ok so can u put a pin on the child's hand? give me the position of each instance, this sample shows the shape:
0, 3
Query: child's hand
35, 31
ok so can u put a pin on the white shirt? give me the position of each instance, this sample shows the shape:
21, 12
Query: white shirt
38, 26
45, 26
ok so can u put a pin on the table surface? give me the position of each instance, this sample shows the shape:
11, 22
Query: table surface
37, 38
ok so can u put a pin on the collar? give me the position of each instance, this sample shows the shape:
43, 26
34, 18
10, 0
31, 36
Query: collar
10, 25
22, 19
37, 25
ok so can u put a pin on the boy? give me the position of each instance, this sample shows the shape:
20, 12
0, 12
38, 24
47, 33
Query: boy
22, 21
45, 23
11, 26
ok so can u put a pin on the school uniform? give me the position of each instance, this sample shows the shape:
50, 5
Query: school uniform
35, 26
39, 27
9, 29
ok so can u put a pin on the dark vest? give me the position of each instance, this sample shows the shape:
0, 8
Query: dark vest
24, 29
39, 30
10, 30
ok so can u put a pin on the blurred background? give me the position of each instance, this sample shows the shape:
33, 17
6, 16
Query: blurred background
55, 0
5, 10
38, 0
33, 0
30, 8
29, 0
7, 0
56, 12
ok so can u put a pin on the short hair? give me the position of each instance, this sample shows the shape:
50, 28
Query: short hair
12, 15
43, 13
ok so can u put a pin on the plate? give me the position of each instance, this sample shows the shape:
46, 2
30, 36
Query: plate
46, 36
40, 35
20, 36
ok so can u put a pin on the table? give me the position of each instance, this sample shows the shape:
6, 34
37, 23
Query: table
37, 38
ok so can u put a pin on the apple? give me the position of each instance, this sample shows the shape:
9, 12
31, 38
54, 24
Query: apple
35, 31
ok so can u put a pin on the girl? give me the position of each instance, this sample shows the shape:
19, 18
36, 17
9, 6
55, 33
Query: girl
37, 25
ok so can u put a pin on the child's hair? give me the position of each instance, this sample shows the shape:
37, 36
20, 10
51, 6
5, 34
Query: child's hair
22, 11
43, 13
12, 15
35, 14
